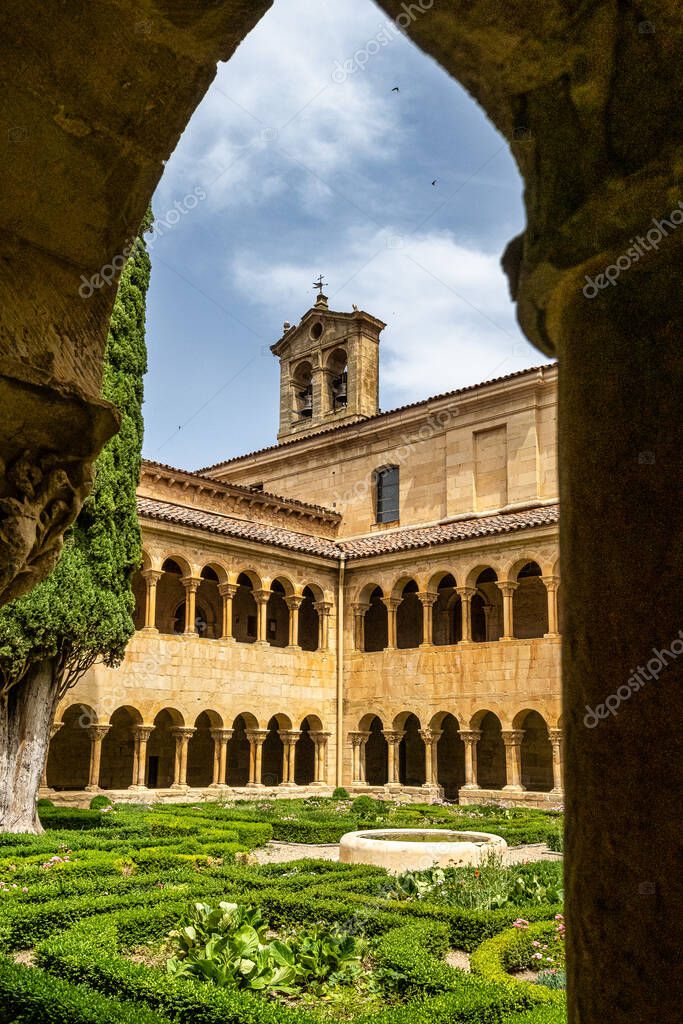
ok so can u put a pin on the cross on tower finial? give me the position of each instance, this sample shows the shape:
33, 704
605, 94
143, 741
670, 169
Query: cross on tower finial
320, 284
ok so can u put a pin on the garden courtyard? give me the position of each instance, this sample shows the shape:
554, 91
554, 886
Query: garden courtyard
241, 912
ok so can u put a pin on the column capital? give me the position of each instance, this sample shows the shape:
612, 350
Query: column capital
428, 597
183, 731
98, 732
466, 592
551, 582
323, 607
319, 737
470, 735
555, 735
143, 732
262, 596
393, 735
507, 586
391, 603
430, 736
257, 736
222, 735
294, 602
358, 739
191, 583
512, 736
153, 575
227, 589
290, 735
360, 607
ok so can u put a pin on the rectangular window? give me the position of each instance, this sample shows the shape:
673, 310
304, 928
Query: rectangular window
386, 494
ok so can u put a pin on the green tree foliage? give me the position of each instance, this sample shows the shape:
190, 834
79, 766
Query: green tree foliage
84, 610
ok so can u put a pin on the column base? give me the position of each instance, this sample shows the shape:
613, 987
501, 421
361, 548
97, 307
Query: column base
287, 785
260, 643
551, 636
556, 792
464, 643
393, 787
513, 789
470, 787
506, 639
190, 632
181, 787
138, 789
318, 785
227, 639
292, 647
149, 630
92, 789
255, 785
219, 785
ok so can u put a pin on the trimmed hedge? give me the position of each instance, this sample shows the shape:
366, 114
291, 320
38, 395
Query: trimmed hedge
513, 948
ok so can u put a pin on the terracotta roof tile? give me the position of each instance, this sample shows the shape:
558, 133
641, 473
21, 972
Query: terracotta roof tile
364, 547
464, 529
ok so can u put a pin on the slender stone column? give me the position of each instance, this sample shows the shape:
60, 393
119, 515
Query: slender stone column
430, 739
289, 738
257, 738
507, 589
323, 609
221, 738
556, 738
191, 585
151, 578
294, 604
470, 738
320, 739
227, 592
358, 741
428, 600
512, 738
466, 594
96, 734
54, 729
488, 613
359, 611
392, 604
141, 735
262, 598
393, 739
551, 584
182, 735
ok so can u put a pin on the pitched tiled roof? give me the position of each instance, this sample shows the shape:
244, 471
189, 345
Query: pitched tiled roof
464, 529
357, 424
363, 547
214, 522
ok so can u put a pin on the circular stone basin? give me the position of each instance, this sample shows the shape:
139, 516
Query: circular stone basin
416, 849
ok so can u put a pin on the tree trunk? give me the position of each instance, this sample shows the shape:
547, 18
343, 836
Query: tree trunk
26, 715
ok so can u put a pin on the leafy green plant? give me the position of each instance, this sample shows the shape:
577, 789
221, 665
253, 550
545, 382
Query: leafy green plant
98, 802
340, 793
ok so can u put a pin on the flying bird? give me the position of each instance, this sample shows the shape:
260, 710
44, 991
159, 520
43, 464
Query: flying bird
435, 182
396, 89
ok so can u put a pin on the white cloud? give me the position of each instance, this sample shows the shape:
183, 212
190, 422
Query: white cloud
450, 319
274, 119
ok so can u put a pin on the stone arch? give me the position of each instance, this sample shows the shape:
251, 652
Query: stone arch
161, 749
304, 751
336, 377
490, 751
200, 749
244, 607
487, 605
411, 750
118, 749
273, 750
409, 616
209, 602
529, 602
376, 751
68, 761
450, 754
536, 751
239, 749
447, 610
309, 619
376, 622
171, 593
302, 389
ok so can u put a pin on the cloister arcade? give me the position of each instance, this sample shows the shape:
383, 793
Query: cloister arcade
519, 603
480, 754
126, 752
241, 605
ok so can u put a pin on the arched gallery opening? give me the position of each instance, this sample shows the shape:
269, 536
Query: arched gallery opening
68, 762
491, 772
411, 754
118, 749
239, 752
376, 623
376, 753
450, 757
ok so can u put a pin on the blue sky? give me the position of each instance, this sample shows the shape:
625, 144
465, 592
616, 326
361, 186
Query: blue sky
310, 162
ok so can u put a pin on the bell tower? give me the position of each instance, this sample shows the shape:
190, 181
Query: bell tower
329, 369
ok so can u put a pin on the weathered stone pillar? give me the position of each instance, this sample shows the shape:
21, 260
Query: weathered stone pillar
466, 594
191, 585
430, 738
393, 739
358, 741
551, 583
289, 738
320, 739
323, 609
392, 604
470, 738
359, 611
507, 589
182, 734
151, 578
221, 738
262, 597
488, 613
512, 738
96, 734
141, 735
54, 729
257, 738
555, 736
227, 592
294, 604
428, 601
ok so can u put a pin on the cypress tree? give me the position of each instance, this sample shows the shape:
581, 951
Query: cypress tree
84, 610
